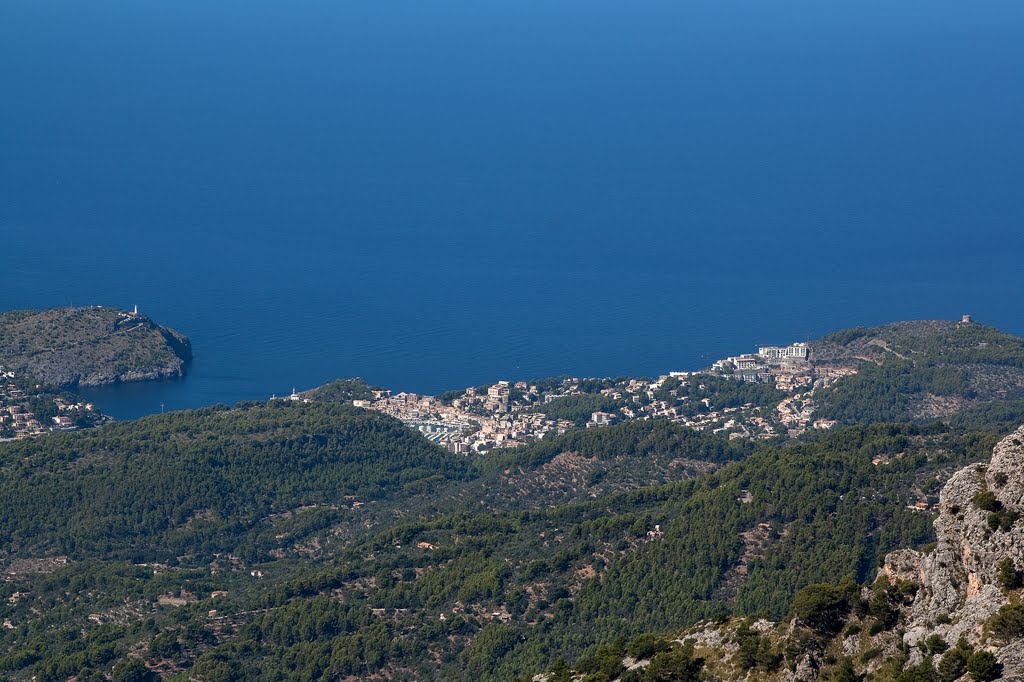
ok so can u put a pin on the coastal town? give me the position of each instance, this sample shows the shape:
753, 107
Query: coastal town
763, 395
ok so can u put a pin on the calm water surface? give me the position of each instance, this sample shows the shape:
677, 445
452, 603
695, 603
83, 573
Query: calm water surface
434, 195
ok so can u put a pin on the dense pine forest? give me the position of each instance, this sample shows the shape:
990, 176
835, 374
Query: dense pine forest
154, 518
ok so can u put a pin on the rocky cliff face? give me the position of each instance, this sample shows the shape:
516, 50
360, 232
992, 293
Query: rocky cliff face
69, 347
959, 579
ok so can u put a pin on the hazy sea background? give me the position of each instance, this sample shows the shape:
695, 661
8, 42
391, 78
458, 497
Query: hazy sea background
440, 194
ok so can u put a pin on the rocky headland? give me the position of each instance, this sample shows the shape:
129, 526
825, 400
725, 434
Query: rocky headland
69, 347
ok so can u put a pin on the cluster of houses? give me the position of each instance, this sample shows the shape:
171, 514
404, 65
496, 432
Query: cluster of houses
796, 412
477, 421
740, 421
17, 421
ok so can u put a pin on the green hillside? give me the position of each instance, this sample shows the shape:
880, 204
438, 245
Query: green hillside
218, 500
207, 481
920, 370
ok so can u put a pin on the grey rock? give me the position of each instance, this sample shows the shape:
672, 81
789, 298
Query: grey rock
958, 578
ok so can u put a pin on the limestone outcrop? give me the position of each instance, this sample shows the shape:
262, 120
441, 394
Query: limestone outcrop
960, 590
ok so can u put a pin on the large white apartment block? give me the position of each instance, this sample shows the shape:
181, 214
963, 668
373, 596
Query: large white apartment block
796, 350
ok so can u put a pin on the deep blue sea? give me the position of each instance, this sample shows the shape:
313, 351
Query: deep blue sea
438, 194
